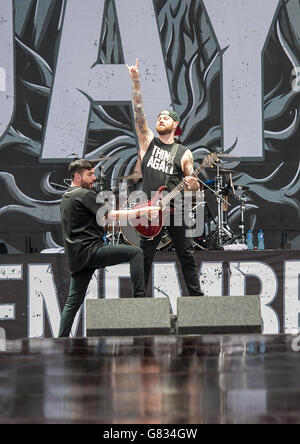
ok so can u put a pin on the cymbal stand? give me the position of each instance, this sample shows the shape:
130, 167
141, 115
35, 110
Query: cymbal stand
226, 227
243, 201
222, 203
220, 232
101, 180
101, 189
114, 235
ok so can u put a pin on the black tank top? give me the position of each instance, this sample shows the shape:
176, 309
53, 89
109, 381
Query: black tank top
158, 164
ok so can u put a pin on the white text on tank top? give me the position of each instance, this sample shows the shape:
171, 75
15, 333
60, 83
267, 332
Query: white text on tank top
161, 160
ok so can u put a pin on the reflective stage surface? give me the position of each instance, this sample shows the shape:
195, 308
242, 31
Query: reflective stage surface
153, 380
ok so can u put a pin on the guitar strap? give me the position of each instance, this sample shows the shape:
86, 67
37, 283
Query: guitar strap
174, 151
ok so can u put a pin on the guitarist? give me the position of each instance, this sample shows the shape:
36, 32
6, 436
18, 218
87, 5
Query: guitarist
83, 218
165, 162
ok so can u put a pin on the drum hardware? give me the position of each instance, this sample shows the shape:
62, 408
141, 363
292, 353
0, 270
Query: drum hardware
200, 243
206, 184
222, 203
76, 155
120, 188
243, 200
58, 185
221, 170
241, 188
222, 231
209, 182
102, 158
101, 181
101, 185
113, 234
223, 234
115, 190
131, 176
242, 235
208, 221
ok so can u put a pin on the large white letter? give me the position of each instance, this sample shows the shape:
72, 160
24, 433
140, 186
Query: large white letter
211, 278
9, 272
112, 277
79, 79
166, 283
268, 289
43, 297
42, 291
7, 78
291, 296
2, 340
241, 28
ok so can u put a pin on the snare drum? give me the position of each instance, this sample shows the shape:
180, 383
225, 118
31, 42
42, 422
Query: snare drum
130, 235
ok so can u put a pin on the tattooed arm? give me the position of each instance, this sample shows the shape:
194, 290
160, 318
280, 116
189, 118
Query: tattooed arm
187, 165
144, 134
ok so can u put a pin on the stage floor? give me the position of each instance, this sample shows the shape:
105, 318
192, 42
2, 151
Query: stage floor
151, 380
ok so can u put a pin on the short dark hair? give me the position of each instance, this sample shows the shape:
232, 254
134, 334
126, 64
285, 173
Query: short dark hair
79, 165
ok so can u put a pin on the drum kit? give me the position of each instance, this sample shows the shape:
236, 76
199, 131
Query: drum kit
221, 187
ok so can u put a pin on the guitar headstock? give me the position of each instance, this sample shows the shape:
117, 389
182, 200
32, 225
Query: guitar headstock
210, 160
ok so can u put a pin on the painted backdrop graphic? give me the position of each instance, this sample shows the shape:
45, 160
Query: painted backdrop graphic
229, 68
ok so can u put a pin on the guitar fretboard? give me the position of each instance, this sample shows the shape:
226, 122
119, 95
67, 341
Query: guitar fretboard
167, 199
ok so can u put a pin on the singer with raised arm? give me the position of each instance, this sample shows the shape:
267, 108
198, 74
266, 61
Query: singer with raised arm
165, 163
83, 219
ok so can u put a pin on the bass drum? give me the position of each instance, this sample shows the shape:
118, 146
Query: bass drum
130, 235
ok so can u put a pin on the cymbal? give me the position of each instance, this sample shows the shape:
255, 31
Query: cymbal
104, 158
221, 171
132, 176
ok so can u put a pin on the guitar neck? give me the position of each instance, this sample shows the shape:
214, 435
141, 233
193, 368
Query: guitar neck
167, 199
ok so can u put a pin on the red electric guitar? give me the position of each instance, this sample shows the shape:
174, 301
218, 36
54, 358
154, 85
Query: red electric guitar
150, 229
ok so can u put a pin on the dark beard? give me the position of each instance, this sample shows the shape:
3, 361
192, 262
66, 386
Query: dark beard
164, 131
85, 185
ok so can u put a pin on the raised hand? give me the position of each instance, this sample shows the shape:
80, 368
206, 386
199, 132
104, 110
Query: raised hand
134, 71
144, 134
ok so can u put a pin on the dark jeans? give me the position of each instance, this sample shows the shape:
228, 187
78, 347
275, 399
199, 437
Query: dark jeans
105, 256
185, 252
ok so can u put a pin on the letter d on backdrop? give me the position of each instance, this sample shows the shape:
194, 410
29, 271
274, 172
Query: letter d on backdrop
2, 340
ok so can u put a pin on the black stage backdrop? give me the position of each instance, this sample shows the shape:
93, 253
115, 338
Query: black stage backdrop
193, 63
